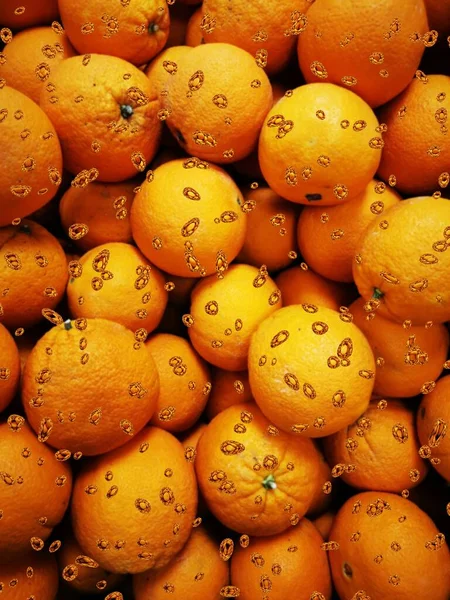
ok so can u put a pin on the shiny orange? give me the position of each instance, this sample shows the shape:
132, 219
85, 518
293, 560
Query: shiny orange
228, 388
9, 367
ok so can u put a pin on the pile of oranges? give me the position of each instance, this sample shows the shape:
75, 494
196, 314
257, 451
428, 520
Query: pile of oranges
224, 299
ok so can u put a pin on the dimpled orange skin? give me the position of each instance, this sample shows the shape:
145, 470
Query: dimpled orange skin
197, 571
433, 425
35, 573
174, 217
318, 165
150, 469
35, 13
369, 41
100, 400
158, 74
284, 557
406, 262
228, 388
383, 461
324, 523
410, 357
9, 367
416, 142
327, 238
133, 30
35, 273
30, 143
219, 319
183, 376
257, 501
122, 298
43, 493
321, 501
222, 118
296, 371
194, 35
377, 534
87, 116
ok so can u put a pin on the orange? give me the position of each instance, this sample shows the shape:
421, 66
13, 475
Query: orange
370, 46
32, 575
220, 328
33, 274
187, 218
189, 440
322, 494
140, 499
194, 35
35, 489
433, 419
303, 286
324, 523
27, 13
267, 31
276, 565
327, 238
255, 479
81, 572
105, 210
115, 281
228, 388
9, 367
216, 113
33, 161
408, 358
388, 548
416, 149
160, 69
311, 370
401, 263
184, 382
196, 572
438, 12
31, 52
105, 115
380, 451
135, 30
271, 230
110, 376
338, 157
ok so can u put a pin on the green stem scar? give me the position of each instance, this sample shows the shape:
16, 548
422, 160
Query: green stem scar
377, 293
153, 28
126, 111
269, 482
67, 324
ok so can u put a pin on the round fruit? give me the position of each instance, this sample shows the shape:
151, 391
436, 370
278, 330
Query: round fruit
88, 386
324, 524
255, 479
338, 157
133, 508
194, 34
322, 494
161, 68
228, 388
31, 575
27, 13
311, 370
220, 328
9, 367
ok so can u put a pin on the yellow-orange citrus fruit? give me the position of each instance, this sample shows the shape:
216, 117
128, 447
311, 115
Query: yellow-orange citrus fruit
88, 386
184, 382
105, 116
104, 209
383, 541
31, 575
415, 154
271, 230
33, 273
219, 327
198, 571
408, 358
324, 523
114, 281
379, 451
433, 423
327, 238
32, 162
135, 31
35, 490
27, 13
9, 367
186, 215
30, 57
438, 12
401, 263
160, 69
322, 494
140, 499
194, 35
189, 440
216, 113
338, 157
374, 48
275, 565
228, 388
311, 370
255, 478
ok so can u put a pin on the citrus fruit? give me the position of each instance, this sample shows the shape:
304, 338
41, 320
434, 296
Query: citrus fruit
323, 524
438, 12
322, 494
161, 68
32, 574
228, 388
9, 367
27, 13
338, 157
311, 370
88, 386
194, 35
